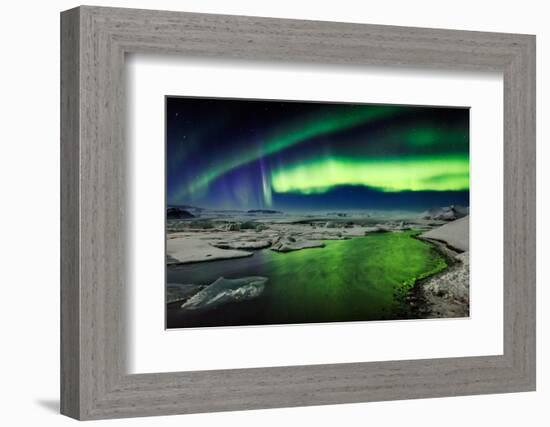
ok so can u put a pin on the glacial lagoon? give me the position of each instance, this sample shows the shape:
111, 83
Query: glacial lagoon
358, 279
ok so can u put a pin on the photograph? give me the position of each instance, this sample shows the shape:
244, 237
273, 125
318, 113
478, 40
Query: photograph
300, 212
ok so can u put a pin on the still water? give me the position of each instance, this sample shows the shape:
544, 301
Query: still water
348, 280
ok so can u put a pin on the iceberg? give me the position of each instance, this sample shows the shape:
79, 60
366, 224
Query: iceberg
223, 291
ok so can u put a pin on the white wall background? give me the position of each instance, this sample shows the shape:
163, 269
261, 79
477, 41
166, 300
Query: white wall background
29, 230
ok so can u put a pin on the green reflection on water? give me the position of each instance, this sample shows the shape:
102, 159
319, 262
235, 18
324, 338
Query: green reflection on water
357, 279
364, 278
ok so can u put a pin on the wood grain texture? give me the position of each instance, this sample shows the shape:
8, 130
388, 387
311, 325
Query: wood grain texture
70, 314
94, 382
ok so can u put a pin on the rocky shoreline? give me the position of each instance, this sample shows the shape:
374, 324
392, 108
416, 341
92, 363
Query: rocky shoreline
445, 294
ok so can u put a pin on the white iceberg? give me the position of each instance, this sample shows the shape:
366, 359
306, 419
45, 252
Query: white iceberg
224, 291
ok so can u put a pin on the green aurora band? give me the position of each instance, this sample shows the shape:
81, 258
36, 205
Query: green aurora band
419, 173
293, 134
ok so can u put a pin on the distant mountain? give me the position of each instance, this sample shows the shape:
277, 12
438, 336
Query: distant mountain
177, 213
187, 207
264, 211
340, 214
446, 213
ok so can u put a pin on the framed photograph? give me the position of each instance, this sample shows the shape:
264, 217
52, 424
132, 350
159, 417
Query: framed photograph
246, 200
263, 213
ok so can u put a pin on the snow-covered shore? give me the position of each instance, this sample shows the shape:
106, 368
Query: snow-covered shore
447, 294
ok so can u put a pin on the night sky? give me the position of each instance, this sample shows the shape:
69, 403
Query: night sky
298, 156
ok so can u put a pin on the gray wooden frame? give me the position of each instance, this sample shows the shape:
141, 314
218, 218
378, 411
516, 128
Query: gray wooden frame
94, 382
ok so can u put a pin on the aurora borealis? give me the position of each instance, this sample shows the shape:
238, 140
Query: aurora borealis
249, 154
